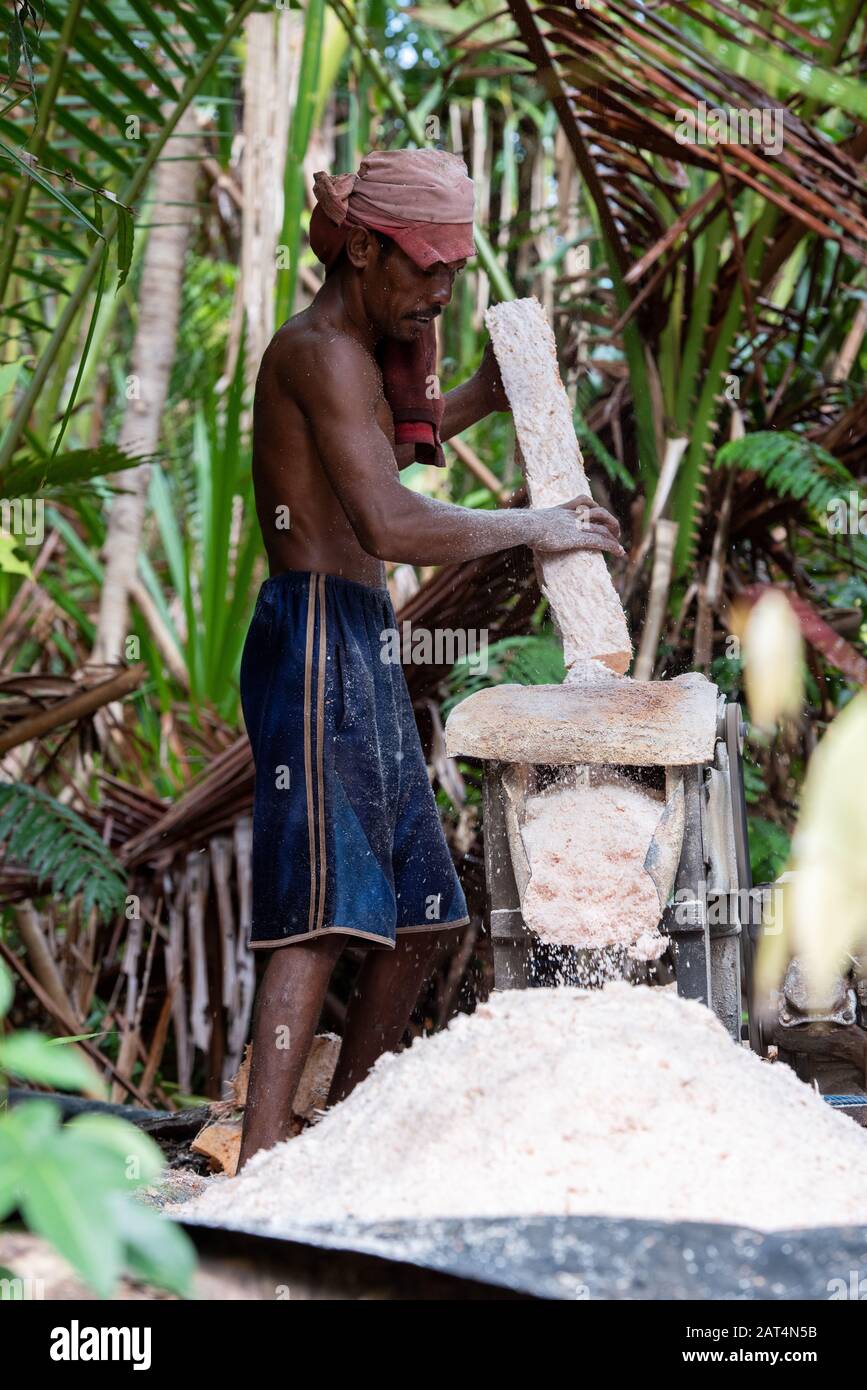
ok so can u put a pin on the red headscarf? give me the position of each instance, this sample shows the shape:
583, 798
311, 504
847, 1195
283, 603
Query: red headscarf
423, 200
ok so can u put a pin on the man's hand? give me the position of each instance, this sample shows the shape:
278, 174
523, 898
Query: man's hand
490, 381
577, 525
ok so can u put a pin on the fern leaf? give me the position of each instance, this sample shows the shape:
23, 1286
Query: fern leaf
60, 849
790, 466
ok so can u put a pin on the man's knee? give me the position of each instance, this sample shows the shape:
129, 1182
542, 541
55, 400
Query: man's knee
298, 963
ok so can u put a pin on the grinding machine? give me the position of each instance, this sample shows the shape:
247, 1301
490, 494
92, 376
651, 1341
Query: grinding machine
699, 857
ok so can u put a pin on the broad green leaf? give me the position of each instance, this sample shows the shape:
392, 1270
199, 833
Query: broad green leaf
28, 1126
24, 1130
138, 1157
105, 1168
31, 1057
12, 1168
63, 1205
72, 1185
156, 1250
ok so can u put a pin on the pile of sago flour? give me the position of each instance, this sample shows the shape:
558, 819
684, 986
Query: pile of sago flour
626, 1101
588, 886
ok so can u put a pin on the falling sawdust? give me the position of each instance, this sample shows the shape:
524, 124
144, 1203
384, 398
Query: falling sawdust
626, 1102
588, 886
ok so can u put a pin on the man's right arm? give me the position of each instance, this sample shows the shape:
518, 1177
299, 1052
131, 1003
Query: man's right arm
339, 390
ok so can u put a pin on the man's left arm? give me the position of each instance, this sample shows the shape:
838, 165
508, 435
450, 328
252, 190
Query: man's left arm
482, 395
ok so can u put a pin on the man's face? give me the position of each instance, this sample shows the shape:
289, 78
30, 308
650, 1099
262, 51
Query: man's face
400, 299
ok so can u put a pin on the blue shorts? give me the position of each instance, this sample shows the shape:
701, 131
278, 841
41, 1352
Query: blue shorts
346, 833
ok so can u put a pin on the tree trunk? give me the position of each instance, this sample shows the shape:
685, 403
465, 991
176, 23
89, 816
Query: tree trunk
270, 89
153, 353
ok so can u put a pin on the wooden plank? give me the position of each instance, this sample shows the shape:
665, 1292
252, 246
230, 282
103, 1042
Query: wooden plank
578, 586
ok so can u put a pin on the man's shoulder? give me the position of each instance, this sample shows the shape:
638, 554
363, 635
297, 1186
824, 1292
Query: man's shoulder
309, 349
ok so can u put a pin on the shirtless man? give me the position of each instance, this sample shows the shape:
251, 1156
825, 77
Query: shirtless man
347, 841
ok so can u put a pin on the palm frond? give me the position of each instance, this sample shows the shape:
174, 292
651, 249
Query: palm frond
109, 67
31, 473
790, 465
60, 849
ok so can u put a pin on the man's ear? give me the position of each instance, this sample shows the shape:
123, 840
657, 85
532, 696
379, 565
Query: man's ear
359, 247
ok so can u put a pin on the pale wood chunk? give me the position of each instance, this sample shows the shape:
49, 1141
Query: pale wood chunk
221, 1145
578, 586
621, 722
316, 1078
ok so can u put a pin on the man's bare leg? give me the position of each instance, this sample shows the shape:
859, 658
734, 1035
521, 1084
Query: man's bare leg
287, 1010
381, 1005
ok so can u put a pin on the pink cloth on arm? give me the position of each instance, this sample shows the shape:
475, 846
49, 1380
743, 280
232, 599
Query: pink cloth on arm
408, 371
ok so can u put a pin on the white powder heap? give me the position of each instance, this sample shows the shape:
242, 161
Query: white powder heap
588, 886
623, 1102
